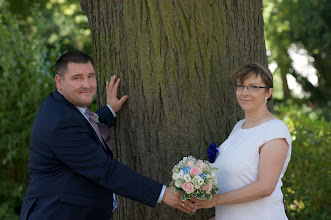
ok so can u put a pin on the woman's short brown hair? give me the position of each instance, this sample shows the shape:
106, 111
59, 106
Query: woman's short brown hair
246, 70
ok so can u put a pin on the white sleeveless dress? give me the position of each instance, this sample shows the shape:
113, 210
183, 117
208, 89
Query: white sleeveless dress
237, 163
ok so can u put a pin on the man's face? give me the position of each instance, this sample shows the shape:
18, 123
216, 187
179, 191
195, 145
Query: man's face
78, 85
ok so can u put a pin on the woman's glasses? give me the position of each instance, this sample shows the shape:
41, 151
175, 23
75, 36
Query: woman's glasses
251, 88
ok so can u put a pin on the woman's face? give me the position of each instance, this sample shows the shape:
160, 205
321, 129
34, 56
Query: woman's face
251, 101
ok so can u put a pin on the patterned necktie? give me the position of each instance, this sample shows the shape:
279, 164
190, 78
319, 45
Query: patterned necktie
103, 133
101, 129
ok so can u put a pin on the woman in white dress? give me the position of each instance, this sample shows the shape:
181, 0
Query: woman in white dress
254, 158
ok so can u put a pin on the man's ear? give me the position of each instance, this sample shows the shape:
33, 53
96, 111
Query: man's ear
58, 82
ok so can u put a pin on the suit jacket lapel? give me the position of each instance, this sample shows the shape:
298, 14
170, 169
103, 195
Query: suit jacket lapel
63, 100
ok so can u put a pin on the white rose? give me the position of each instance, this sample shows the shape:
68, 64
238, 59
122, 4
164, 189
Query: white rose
175, 176
179, 183
198, 181
187, 178
180, 174
201, 181
197, 186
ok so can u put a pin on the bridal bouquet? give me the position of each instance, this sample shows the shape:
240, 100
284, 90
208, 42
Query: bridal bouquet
194, 178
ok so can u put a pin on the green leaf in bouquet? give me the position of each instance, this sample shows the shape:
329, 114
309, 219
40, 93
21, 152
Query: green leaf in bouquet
200, 196
189, 196
208, 196
184, 197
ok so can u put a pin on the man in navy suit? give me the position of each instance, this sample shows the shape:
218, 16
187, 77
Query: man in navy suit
72, 175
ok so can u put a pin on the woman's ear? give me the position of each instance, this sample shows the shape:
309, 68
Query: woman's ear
270, 91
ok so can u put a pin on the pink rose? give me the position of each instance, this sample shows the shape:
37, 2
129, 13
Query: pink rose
188, 187
206, 187
190, 163
196, 171
202, 165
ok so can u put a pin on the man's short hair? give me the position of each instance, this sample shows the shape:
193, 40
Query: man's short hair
61, 65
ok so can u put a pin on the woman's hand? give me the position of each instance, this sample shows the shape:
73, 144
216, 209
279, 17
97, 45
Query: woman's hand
205, 203
173, 199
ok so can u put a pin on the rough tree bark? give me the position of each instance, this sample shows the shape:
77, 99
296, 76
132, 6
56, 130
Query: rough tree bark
174, 59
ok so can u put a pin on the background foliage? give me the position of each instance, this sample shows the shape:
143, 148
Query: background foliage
30, 42
25, 78
306, 182
300, 25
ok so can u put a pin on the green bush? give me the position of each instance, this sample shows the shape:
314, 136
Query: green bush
26, 77
306, 182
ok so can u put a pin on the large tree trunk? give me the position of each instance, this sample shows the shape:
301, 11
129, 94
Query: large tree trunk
286, 90
174, 59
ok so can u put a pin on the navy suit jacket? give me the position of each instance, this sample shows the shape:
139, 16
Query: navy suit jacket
71, 175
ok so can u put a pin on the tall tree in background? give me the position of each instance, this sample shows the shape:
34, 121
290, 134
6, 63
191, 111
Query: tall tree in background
65, 24
174, 59
307, 24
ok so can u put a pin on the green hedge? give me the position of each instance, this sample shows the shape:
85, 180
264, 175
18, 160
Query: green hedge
26, 77
306, 182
